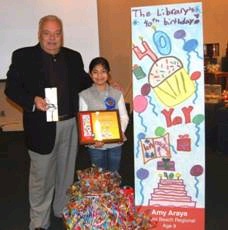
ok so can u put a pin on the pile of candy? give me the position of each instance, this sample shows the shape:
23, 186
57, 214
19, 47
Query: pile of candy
98, 202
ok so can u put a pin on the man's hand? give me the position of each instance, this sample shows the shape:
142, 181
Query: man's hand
40, 103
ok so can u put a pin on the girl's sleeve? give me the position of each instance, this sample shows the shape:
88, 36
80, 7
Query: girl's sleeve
124, 118
82, 104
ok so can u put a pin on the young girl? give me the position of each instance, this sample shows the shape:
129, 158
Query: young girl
101, 96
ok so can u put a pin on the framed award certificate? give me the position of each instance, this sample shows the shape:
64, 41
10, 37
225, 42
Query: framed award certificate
101, 125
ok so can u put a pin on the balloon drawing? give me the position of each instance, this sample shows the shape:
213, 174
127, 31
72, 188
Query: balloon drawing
139, 105
196, 171
189, 45
142, 174
195, 76
197, 120
145, 90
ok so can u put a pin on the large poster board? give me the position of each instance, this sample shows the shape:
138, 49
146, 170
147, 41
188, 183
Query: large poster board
168, 105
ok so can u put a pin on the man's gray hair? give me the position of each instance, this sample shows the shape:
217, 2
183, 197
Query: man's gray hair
50, 18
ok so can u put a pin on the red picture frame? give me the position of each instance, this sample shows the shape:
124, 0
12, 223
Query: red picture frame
100, 125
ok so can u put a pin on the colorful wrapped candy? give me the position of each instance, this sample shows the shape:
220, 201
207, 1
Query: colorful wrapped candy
98, 202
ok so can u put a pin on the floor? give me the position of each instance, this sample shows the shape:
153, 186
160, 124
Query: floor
14, 165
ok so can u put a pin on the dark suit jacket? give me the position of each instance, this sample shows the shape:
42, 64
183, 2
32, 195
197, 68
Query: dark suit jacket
26, 79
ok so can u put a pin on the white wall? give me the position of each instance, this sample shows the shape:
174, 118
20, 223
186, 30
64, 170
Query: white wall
19, 25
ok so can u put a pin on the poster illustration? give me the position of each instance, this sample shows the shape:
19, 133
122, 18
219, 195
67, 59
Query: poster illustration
169, 119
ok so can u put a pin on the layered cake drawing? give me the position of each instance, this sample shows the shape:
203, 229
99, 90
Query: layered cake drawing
171, 193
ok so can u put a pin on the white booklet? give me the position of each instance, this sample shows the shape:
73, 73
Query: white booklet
52, 101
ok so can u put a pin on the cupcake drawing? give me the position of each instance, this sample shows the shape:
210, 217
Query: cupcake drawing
170, 81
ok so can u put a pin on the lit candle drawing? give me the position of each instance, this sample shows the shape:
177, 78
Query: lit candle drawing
98, 133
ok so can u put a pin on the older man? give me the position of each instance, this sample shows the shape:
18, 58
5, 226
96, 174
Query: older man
52, 146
